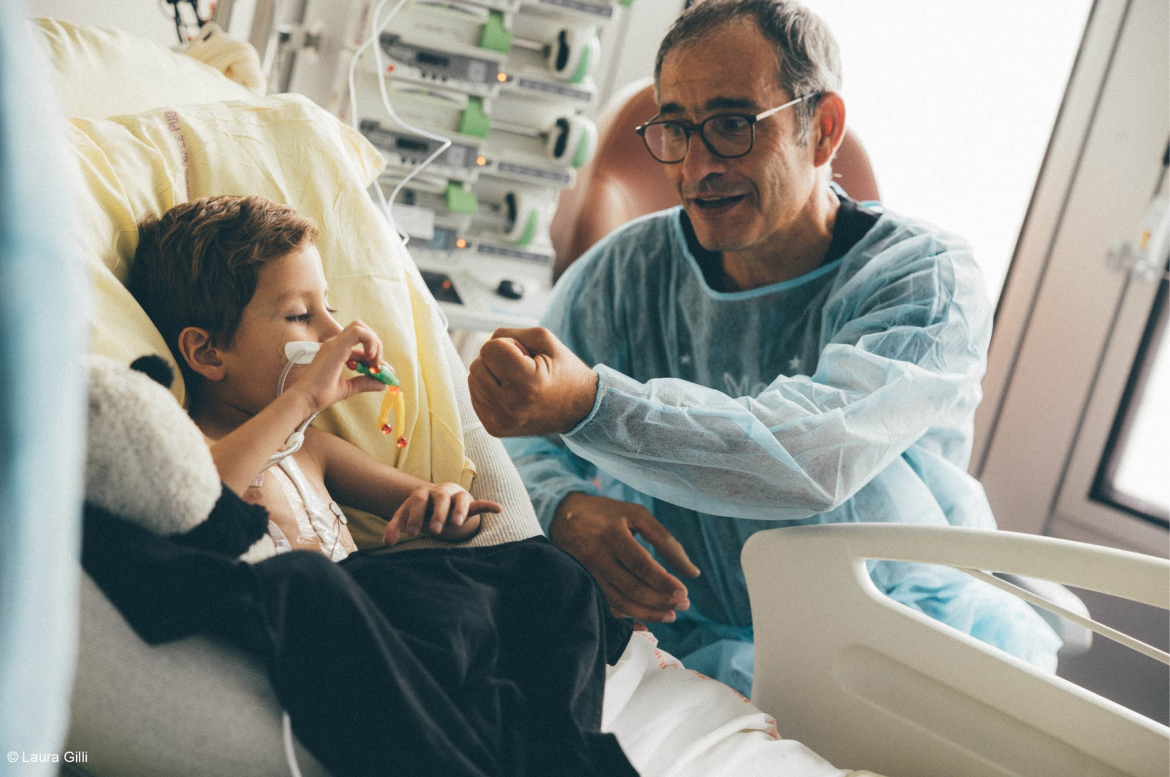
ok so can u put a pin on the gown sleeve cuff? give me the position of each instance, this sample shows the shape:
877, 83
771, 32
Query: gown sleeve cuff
602, 390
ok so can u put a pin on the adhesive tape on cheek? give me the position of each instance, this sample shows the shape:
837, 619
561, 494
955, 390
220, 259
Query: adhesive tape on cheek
301, 351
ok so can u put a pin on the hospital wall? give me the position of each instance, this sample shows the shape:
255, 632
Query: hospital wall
145, 18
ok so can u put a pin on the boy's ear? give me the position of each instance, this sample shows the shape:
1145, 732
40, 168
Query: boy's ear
200, 355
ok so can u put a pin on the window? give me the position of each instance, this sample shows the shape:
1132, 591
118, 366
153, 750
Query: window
1133, 475
955, 103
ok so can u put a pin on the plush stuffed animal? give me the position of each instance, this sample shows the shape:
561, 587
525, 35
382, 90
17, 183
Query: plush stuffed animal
147, 462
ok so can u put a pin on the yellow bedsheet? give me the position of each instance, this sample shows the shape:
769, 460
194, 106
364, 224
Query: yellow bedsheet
292, 151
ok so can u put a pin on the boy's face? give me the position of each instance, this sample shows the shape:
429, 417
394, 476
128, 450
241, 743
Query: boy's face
290, 303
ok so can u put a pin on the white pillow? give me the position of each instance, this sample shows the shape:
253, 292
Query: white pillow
105, 72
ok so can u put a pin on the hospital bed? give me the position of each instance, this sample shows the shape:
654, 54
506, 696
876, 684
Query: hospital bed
860, 678
865, 682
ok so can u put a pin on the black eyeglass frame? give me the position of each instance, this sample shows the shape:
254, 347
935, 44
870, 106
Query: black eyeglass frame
690, 129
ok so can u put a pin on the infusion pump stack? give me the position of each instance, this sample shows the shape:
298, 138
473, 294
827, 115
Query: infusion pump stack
509, 84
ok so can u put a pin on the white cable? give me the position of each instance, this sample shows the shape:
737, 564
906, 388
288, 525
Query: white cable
376, 28
444, 142
294, 352
372, 40
289, 754
336, 536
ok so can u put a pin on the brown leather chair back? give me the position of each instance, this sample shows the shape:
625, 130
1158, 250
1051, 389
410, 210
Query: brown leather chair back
624, 182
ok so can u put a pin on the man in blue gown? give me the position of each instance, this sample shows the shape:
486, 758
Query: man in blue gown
770, 354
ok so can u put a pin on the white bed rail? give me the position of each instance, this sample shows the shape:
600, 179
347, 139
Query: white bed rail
870, 683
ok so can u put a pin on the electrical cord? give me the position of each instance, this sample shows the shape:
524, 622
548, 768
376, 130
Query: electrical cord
376, 29
297, 438
290, 754
295, 352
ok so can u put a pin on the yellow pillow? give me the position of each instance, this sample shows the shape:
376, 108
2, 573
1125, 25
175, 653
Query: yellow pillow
292, 151
104, 72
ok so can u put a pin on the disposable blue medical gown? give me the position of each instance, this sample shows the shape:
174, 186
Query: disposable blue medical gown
846, 394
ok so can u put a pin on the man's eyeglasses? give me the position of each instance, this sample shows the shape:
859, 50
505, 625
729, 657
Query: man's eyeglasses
726, 135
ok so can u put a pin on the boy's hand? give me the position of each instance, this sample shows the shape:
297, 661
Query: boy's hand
323, 381
444, 509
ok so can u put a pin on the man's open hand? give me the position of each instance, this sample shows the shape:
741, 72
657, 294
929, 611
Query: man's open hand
599, 532
526, 382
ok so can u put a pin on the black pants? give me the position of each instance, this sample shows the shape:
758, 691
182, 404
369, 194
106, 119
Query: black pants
462, 661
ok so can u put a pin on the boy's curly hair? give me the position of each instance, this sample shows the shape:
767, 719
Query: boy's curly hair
198, 264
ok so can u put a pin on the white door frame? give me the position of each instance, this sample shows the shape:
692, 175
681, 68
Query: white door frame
1061, 323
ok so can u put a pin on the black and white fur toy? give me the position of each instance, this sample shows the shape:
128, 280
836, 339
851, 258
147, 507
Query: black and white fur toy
148, 463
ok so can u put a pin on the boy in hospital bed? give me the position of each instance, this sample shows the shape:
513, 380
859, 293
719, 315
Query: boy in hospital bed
483, 660
230, 281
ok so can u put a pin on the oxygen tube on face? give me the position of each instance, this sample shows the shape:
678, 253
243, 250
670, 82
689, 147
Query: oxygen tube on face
296, 352
303, 352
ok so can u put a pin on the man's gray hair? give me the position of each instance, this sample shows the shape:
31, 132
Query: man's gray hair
810, 62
